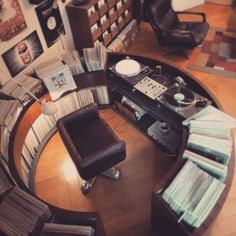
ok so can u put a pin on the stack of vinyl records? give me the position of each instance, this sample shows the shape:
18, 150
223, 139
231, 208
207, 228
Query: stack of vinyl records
6, 180
4, 142
9, 112
66, 105
100, 95
51, 229
210, 140
192, 194
102, 54
13, 88
42, 125
85, 97
72, 59
213, 167
126, 36
22, 214
95, 58
211, 121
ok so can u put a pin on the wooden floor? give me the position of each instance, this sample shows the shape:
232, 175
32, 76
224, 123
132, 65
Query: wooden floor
125, 205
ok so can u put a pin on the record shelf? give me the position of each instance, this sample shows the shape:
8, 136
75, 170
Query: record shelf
100, 20
163, 218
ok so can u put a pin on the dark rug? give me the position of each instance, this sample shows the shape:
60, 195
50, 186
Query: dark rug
217, 54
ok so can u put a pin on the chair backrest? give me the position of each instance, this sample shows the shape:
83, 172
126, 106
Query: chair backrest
68, 125
162, 18
68, 139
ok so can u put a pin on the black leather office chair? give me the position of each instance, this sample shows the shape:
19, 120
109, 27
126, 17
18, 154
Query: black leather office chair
92, 145
176, 34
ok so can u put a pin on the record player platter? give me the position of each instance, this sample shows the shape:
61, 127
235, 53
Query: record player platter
128, 67
178, 97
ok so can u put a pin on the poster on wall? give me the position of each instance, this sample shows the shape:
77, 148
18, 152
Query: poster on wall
12, 20
50, 21
23, 53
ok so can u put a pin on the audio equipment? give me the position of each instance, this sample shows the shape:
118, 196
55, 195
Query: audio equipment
170, 93
150, 87
183, 101
130, 70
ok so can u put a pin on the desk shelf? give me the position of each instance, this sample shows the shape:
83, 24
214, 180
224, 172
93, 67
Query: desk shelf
163, 218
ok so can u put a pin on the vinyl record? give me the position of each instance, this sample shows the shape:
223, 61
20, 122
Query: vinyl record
50, 21
178, 97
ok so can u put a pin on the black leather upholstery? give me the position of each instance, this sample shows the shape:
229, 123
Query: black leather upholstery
91, 143
170, 31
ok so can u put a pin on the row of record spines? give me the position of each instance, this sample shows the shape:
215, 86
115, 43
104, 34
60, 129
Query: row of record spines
10, 111
43, 124
188, 204
52, 229
6, 179
17, 203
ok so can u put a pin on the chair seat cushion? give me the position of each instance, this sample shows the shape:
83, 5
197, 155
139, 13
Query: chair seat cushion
92, 136
199, 29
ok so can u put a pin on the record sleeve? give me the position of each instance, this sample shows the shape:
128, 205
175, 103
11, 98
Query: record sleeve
50, 21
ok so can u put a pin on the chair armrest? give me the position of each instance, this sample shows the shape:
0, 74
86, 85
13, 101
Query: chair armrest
176, 35
192, 13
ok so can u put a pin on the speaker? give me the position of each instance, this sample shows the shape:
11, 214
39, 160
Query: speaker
50, 20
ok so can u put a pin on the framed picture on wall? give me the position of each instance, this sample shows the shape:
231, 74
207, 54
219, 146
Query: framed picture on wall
12, 20
23, 53
50, 21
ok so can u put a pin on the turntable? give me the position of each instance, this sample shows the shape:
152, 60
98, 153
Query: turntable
128, 67
183, 100
130, 70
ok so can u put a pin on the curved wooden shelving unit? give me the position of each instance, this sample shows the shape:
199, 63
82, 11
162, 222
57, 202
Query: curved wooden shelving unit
166, 216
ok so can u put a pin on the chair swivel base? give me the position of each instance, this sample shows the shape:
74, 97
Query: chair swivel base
180, 50
111, 173
87, 185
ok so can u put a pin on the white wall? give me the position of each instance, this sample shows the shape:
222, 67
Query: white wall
181, 5
33, 24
